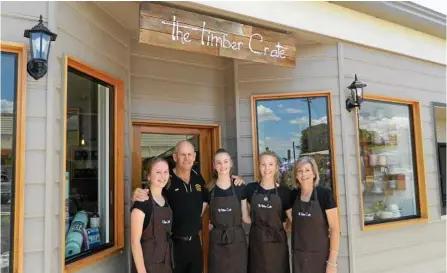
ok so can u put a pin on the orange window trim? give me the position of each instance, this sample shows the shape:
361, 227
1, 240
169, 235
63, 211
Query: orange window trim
325, 94
118, 195
19, 160
420, 165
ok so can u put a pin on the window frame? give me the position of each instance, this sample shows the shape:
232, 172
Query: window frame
280, 96
434, 105
118, 194
419, 165
19, 153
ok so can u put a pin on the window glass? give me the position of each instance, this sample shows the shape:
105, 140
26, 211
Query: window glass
389, 178
440, 125
293, 128
8, 135
89, 166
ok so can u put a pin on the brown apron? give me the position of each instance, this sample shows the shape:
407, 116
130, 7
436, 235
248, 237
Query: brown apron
228, 244
268, 250
310, 236
156, 240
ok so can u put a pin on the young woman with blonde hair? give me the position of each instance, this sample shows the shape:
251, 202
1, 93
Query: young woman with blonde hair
268, 250
228, 209
315, 225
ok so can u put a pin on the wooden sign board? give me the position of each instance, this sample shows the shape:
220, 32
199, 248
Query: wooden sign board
179, 29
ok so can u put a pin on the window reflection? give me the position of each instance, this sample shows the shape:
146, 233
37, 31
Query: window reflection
8, 118
295, 127
389, 178
89, 166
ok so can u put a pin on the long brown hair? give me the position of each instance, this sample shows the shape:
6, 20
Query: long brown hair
215, 175
277, 173
150, 164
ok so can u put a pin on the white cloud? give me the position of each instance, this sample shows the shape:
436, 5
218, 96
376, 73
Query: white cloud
266, 114
295, 136
293, 110
305, 121
7, 106
322, 120
301, 120
280, 106
268, 138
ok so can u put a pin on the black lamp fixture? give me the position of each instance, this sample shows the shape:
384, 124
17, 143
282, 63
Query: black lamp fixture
40, 38
356, 98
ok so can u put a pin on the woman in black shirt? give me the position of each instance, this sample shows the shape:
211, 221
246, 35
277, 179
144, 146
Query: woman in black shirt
315, 227
228, 209
268, 250
151, 222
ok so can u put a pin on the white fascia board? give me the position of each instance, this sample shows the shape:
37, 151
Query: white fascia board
341, 23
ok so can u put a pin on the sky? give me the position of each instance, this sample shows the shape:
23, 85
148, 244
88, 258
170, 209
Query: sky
280, 122
436, 5
8, 69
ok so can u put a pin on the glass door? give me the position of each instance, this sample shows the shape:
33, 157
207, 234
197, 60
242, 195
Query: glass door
159, 139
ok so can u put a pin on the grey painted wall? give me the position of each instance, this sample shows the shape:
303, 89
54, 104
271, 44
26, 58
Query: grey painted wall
87, 33
316, 70
23, 16
203, 89
421, 247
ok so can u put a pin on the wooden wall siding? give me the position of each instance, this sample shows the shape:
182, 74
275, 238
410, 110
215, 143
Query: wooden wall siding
420, 247
230, 114
176, 86
316, 70
89, 34
22, 17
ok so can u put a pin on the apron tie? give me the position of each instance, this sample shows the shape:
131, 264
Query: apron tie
227, 236
273, 232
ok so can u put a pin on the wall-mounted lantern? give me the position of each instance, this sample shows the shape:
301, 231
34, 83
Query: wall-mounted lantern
356, 98
40, 39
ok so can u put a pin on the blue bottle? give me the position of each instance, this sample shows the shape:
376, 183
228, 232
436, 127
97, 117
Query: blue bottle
75, 238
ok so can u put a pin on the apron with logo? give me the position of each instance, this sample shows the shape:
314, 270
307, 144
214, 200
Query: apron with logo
268, 250
228, 244
156, 240
310, 236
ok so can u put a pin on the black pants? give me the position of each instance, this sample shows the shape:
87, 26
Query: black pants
188, 256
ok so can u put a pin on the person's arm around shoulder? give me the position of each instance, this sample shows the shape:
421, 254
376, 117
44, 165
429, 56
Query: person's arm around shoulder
136, 229
334, 230
140, 195
205, 192
293, 195
244, 206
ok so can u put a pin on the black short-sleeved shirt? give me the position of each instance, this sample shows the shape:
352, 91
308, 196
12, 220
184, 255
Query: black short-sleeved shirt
284, 193
325, 198
186, 201
146, 207
219, 192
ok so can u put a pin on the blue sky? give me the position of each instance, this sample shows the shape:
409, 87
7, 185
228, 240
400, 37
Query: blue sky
8, 70
280, 122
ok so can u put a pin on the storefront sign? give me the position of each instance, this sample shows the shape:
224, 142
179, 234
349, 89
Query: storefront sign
179, 29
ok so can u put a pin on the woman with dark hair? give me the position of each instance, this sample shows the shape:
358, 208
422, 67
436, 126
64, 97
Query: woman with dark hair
315, 225
269, 200
151, 222
228, 209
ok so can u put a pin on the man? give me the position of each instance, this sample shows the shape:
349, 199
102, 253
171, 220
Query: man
188, 198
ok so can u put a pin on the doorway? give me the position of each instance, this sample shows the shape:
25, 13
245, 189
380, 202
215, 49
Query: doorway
152, 138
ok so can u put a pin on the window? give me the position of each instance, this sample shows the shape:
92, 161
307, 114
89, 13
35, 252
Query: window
391, 161
93, 171
293, 126
13, 88
439, 114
